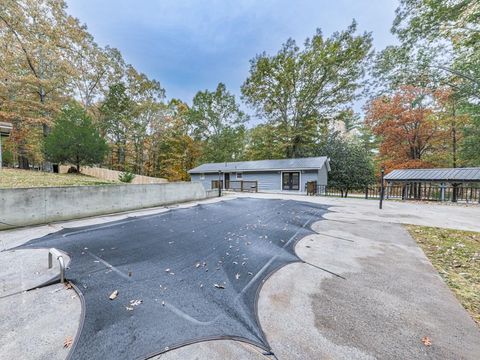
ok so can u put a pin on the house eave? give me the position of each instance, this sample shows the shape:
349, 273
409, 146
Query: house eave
253, 170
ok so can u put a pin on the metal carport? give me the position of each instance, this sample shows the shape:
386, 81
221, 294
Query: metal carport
455, 184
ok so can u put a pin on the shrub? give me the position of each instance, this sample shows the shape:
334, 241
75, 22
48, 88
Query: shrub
126, 177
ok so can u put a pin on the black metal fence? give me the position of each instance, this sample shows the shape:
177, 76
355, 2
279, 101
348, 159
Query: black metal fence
412, 191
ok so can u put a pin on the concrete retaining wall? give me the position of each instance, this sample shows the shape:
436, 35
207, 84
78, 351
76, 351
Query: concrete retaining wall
29, 206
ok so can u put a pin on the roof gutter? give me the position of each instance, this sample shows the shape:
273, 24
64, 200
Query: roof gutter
193, 171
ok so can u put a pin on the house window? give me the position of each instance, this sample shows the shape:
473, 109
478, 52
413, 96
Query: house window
202, 176
239, 176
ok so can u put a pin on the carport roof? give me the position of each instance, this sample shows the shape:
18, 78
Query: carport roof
264, 165
447, 175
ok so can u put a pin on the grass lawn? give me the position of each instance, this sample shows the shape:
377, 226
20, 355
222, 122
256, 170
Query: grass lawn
15, 178
456, 256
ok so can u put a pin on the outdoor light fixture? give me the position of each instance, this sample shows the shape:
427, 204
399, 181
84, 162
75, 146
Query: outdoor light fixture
382, 188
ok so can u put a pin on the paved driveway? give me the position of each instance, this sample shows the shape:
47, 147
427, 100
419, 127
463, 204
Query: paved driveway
364, 291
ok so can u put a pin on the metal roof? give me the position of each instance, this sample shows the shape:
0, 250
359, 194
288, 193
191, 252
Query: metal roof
262, 165
450, 174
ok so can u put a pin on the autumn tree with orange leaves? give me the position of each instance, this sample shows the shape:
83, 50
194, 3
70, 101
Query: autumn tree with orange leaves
407, 126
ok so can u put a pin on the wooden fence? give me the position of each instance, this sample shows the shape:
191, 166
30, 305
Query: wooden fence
112, 175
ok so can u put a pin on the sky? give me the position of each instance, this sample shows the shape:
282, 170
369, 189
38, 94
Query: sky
192, 45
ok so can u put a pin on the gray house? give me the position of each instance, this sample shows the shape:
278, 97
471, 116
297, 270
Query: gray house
264, 175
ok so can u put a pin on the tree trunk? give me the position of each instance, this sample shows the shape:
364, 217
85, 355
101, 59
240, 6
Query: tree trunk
454, 136
23, 162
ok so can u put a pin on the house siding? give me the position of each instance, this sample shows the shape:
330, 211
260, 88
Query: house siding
207, 181
322, 175
268, 180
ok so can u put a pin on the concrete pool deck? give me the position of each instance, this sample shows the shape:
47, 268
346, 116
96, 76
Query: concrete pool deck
387, 298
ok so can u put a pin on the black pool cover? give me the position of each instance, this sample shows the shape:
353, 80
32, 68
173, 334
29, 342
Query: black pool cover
182, 276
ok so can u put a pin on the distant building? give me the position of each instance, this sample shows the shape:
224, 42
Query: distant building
266, 175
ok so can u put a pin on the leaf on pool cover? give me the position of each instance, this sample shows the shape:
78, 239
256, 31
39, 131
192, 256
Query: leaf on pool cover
219, 286
67, 342
67, 285
135, 302
113, 295
426, 341
237, 276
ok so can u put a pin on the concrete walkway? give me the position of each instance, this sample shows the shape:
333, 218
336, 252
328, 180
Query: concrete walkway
367, 291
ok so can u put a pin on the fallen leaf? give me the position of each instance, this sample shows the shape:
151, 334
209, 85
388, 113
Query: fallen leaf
426, 341
68, 341
237, 276
113, 295
135, 302
67, 285
219, 286
167, 270
129, 308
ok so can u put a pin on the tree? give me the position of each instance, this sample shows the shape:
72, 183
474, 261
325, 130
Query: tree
397, 66
218, 122
470, 147
439, 51
47, 59
117, 111
97, 68
351, 164
148, 96
262, 143
172, 151
406, 126
297, 90
34, 68
434, 19
74, 139
454, 23
453, 119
